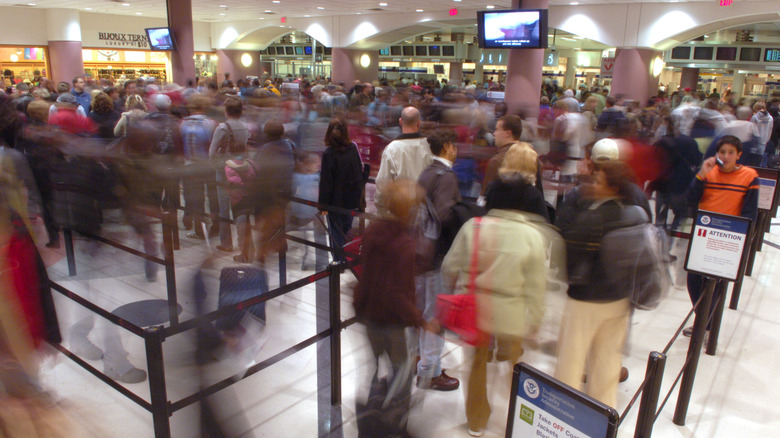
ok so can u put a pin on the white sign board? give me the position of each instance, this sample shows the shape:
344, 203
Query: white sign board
766, 193
717, 244
607, 67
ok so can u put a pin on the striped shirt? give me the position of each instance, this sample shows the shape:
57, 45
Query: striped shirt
734, 193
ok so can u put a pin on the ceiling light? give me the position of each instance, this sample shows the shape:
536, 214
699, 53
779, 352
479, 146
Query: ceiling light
88, 9
30, 4
490, 6
276, 1
223, 14
574, 3
320, 7
419, 10
307, 16
268, 12
457, 0
125, 4
138, 13
383, 4
222, 6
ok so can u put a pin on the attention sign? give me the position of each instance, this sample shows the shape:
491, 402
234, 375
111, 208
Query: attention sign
717, 244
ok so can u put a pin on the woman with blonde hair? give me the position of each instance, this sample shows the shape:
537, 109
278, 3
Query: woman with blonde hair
515, 186
136, 110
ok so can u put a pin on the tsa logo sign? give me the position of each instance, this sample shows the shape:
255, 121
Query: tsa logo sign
531, 388
705, 220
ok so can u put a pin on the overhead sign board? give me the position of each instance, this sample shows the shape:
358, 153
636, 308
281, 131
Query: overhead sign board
544, 407
717, 245
607, 67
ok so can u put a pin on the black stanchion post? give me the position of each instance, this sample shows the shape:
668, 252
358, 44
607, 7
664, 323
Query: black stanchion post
717, 317
764, 222
283, 267
647, 406
735, 292
335, 336
170, 268
752, 248
153, 337
694, 351
67, 234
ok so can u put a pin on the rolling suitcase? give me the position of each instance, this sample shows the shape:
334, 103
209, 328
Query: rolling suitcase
238, 284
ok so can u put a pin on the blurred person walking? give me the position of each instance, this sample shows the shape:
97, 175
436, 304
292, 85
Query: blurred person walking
501, 258
341, 181
197, 131
385, 302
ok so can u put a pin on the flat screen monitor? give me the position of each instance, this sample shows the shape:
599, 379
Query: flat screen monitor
438, 69
420, 50
161, 39
681, 52
289, 50
726, 54
434, 50
395, 50
408, 50
750, 54
384, 52
772, 55
298, 50
515, 29
448, 50
307, 50
328, 51
703, 53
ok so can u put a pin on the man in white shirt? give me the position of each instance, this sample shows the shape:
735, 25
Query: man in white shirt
405, 157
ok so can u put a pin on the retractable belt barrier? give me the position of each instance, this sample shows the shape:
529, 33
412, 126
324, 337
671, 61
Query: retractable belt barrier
159, 404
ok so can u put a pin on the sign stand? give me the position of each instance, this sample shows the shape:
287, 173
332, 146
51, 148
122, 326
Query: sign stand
541, 406
768, 180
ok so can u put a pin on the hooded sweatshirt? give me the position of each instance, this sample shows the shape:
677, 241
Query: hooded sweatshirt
763, 121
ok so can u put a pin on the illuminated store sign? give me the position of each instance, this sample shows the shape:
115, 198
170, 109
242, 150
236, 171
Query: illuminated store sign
124, 39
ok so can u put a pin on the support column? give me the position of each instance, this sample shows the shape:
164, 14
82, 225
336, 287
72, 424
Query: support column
689, 78
456, 73
571, 73
479, 77
180, 22
64, 33
524, 72
346, 67
633, 74
738, 86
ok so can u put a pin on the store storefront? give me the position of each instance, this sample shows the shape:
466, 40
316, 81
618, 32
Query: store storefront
122, 65
19, 64
205, 64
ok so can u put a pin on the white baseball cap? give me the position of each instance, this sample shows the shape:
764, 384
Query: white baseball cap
605, 149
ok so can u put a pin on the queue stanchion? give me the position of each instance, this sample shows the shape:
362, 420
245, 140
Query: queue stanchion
158, 394
170, 268
654, 375
282, 267
70, 254
753, 246
335, 336
717, 318
764, 226
694, 351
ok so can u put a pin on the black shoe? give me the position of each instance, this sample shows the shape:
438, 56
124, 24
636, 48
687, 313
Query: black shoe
688, 331
623, 374
195, 236
442, 382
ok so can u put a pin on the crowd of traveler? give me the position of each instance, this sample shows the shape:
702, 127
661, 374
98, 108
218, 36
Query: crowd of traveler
232, 155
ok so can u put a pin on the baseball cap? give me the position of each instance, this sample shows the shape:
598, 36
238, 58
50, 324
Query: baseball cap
605, 149
67, 98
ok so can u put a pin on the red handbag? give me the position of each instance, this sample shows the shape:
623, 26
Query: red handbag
458, 313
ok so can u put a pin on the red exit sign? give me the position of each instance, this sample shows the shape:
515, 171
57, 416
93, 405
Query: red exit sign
726, 2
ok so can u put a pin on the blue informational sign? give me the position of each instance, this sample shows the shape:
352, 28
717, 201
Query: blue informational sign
717, 245
544, 407
767, 188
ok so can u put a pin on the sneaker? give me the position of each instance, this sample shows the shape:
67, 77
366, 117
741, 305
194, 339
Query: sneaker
476, 432
86, 350
135, 375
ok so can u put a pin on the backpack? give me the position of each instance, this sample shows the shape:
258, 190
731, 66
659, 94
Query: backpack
461, 212
165, 141
196, 136
633, 257
427, 229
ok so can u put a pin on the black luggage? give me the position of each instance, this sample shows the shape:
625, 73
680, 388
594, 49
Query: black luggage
238, 284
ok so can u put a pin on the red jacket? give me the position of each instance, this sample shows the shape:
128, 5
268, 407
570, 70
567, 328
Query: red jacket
71, 122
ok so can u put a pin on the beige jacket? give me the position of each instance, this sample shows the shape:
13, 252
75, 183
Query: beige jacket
511, 271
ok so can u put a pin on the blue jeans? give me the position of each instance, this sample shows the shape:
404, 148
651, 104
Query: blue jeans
429, 285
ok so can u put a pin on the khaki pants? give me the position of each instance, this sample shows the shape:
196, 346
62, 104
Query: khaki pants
509, 348
596, 333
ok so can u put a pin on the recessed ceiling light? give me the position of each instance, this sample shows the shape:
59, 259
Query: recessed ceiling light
419, 10
222, 6
261, 18
574, 3
320, 7
490, 6
307, 16
267, 11
359, 13
383, 4
125, 4
223, 14
138, 13
89, 9
276, 1
456, 0
30, 4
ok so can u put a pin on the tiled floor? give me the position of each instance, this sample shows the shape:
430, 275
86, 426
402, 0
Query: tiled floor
735, 393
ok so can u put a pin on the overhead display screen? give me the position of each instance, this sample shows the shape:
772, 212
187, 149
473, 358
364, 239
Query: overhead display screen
772, 55
522, 29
